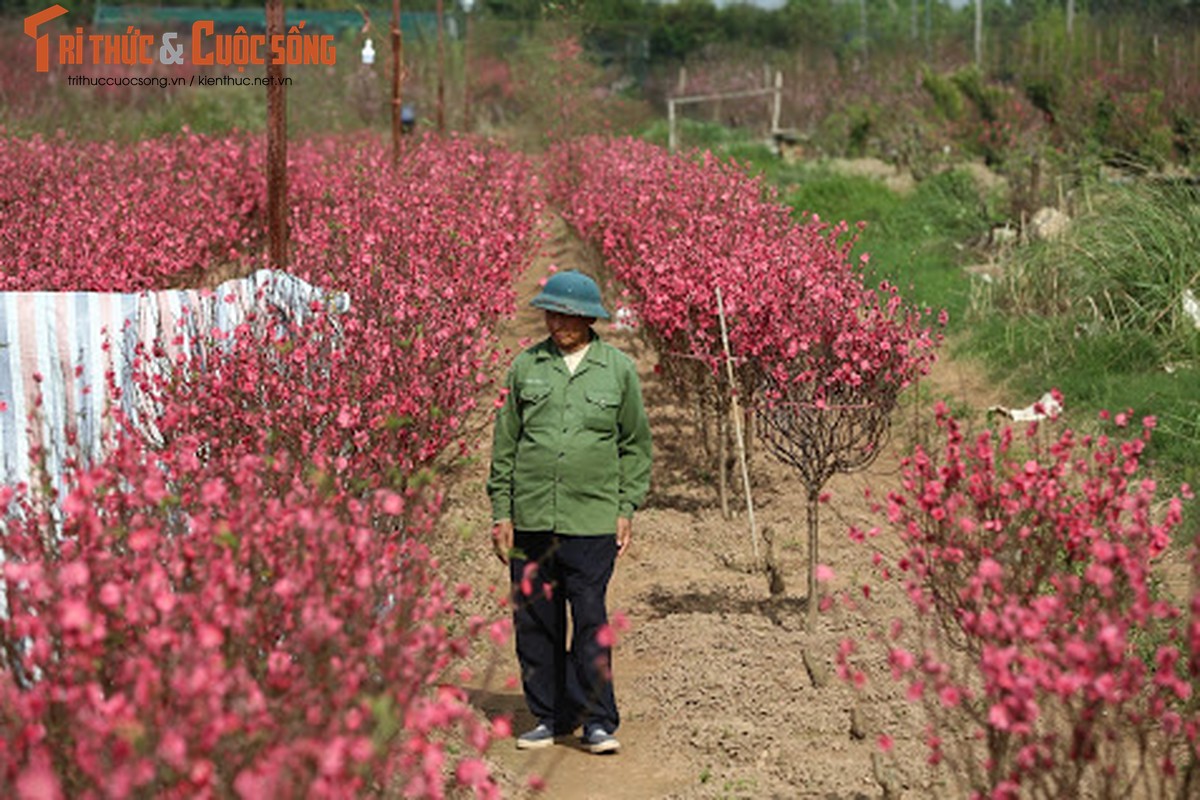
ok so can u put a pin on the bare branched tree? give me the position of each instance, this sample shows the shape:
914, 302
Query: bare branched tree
823, 433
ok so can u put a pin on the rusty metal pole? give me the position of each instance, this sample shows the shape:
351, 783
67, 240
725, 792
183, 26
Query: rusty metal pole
441, 76
397, 64
277, 187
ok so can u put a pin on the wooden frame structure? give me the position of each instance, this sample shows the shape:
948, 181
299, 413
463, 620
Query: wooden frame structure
776, 106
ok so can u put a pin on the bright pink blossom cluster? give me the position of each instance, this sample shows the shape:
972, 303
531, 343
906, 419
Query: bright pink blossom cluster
675, 229
1049, 663
189, 632
246, 607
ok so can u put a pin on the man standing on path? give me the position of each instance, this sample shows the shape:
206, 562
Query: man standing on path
570, 465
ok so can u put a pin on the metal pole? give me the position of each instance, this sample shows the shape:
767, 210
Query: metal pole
737, 425
277, 187
397, 63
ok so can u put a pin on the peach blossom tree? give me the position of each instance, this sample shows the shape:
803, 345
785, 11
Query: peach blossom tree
1049, 662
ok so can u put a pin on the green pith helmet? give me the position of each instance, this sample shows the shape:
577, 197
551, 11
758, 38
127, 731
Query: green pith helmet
571, 293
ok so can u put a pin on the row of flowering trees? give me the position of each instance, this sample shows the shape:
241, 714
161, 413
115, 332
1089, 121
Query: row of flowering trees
821, 354
249, 608
100, 216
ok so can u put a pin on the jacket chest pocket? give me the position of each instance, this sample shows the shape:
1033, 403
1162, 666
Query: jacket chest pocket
600, 410
533, 402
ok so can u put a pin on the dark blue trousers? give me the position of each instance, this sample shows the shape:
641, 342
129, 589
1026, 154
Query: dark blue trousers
564, 687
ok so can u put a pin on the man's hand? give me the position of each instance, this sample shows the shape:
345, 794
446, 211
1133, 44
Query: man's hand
502, 539
624, 535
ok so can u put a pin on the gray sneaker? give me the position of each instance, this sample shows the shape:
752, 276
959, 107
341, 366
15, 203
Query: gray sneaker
599, 741
536, 739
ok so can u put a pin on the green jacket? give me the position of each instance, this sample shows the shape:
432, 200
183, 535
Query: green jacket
570, 452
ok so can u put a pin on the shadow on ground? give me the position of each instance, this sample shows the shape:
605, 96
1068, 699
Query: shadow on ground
502, 704
664, 603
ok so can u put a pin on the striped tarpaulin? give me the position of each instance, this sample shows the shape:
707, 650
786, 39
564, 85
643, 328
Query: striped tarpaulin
58, 346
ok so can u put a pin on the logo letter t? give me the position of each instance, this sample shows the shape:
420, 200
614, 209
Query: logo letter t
32, 22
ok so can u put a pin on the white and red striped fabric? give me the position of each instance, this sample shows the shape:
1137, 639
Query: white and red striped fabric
59, 346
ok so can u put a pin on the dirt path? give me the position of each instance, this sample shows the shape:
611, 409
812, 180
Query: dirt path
715, 696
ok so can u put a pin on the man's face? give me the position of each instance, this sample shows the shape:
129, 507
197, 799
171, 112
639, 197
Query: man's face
568, 332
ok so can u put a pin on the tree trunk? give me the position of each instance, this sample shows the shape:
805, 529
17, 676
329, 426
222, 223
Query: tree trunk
813, 509
702, 427
722, 459
751, 428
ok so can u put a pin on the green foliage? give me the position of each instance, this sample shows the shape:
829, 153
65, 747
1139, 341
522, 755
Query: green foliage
684, 28
985, 97
1132, 128
817, 189
1186, 131
918, 245
947, 98
1043, 94
1123, 270
22, 8
851, 129
318, 101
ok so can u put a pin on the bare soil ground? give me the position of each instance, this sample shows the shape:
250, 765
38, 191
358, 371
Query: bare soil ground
711, 678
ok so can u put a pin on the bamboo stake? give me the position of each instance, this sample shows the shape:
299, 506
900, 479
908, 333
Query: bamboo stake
671, 135
776, 105
737, 424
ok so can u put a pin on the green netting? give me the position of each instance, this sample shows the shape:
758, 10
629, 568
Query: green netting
412, 23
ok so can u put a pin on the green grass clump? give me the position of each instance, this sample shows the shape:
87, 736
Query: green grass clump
914, 240
1111, 293
696, 135
818, 190
1100, 314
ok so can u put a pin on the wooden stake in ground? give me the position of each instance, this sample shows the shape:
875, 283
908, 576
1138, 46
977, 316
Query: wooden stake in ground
397, 66
441, 69
737, 424
276, 146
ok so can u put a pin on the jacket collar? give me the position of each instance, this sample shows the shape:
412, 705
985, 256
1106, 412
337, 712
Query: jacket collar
547, 349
